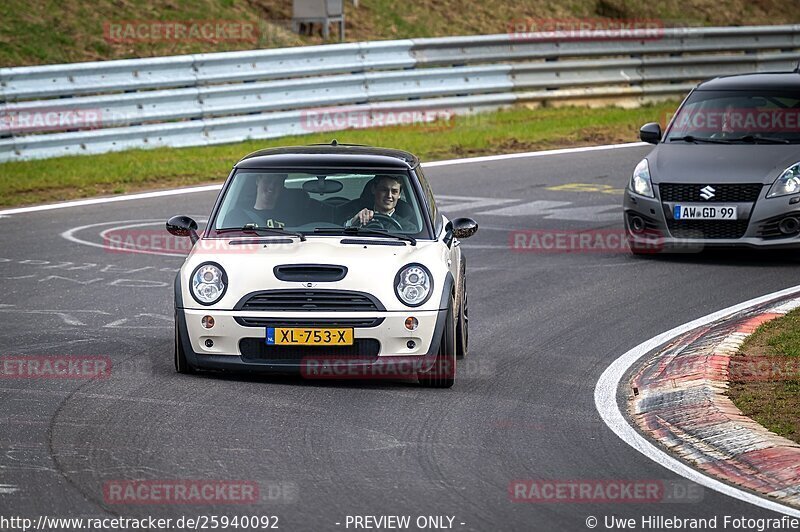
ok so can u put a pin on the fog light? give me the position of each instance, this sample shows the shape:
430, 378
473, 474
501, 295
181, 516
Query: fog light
789, 226
209, 343
411, 344
208, 321
637, 224
412, 323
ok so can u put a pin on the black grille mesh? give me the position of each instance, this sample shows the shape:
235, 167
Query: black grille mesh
308, 322
257, 349
707, 228
310, 300
722, 193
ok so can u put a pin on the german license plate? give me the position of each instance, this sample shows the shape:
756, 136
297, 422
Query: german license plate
308, 336
705, 212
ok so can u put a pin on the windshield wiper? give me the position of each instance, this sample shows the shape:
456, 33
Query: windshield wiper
361, 231
755, 139
693, 139
253, 228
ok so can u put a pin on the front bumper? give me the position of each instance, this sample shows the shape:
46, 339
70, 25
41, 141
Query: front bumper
760, 218
236, 346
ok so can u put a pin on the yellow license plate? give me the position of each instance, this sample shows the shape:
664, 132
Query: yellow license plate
308, 336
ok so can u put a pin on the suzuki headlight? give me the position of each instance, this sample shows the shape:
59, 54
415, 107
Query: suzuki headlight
209, 283
413, 285
640, 181
787, 183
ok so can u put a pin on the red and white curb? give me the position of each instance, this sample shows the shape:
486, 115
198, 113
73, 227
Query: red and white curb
681, 403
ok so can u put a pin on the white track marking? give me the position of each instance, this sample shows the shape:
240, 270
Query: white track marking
70, 235
210, 188
460, 203
605, 398
532, 208
8, 489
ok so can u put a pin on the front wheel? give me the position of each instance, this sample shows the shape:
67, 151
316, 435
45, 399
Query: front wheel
181, 363
443, 372
462, 329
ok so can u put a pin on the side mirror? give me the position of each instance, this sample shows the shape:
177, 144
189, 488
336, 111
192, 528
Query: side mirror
460, 228
650, 133
182, 225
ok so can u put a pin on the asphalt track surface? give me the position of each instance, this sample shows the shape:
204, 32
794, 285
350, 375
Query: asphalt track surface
544, 326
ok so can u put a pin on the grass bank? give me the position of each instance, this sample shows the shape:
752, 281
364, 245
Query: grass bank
765, 376
36, 32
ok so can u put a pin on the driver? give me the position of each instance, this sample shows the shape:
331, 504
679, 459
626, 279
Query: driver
386, 191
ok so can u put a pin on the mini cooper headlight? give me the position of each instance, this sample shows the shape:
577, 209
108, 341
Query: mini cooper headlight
787, 183
413, 285
209, 283
640, 180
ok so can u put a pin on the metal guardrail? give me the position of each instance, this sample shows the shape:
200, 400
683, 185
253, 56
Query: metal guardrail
228, 97
25, 83
488, 48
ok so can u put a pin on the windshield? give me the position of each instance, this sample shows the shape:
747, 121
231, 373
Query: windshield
321, 201
738, 116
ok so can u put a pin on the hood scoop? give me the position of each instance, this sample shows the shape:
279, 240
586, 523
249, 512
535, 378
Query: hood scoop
320, 273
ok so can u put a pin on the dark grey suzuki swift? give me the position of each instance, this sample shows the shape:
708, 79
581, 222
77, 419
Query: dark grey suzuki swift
725, 173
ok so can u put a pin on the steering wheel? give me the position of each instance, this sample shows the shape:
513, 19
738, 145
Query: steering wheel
384, 221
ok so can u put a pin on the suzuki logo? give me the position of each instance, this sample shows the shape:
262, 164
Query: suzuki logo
707, 192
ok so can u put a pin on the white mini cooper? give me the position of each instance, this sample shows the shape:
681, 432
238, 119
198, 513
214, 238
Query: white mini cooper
331, 260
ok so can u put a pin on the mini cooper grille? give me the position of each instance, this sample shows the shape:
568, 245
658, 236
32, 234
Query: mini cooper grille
722, 193
310, 300
707, 228
313, 322
257, 349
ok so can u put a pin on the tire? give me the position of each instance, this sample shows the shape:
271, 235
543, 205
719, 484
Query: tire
443, 372
462, 327
181, 363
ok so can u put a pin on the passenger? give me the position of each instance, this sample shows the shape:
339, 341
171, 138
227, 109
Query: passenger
277, 206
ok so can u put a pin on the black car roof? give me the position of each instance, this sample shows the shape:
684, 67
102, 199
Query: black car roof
761, 81
329, 155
